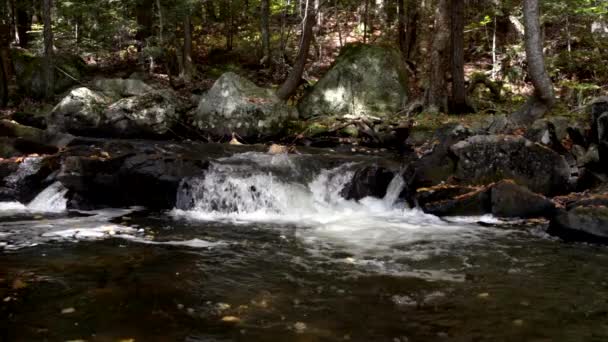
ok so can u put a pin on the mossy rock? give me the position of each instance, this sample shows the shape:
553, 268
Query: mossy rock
29, 71
236, 105
364, 80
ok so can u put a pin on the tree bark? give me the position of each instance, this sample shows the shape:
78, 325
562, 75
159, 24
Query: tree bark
145, 19
459, 100
24, 23
5, 41
293, 79
48, 50
401, 19
265, 30
543, 98
188, 65
436, 99
411, 28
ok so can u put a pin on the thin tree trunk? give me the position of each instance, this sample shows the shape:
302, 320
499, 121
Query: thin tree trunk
543, 98
411, 28
24, 22
365, 21
5, 41
265, 30
402, 18
495, 66
459, 100
160, 21
437, 99
188, 65
48, 50
293, 79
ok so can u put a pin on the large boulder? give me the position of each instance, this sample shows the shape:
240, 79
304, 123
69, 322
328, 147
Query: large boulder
80, 112
149, 115
503, 199
364, 80
512, 200
126, 175
88, 113
118, 87
29, 72
236, 105
586, 219
491, 158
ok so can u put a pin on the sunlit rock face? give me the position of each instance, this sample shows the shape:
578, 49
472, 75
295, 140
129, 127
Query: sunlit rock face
236, 105
88, 113
364, 80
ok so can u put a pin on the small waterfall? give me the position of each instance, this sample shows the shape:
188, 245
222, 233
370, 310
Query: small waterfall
393, 191
230, 189
50, 200
28, 167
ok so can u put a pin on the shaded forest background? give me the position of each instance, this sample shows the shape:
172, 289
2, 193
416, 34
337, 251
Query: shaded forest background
190, 43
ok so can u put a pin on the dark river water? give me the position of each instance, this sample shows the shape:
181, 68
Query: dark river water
258, 252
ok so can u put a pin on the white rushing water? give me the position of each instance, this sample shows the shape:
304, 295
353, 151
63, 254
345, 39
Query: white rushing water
371, 229
50, 200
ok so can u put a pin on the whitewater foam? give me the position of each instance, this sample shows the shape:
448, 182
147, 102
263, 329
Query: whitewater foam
376, 232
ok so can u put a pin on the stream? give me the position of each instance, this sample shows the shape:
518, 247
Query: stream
265, 248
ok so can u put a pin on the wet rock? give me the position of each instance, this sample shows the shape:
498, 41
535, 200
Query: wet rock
586, 219
438, 165
364, 80
24, 178
236, 105
131, 177
512, 200
602, 131
371, 181
599, 106
488, 159
441, 193
470, 204
29, 72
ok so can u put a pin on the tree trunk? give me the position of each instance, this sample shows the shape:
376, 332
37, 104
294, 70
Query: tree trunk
24, 24
365, 21
544, 95
411, 28
265, 30
188, 65
48, 49
402, 18
5, 41
293, 79
145, 20
459, 101
161, 23
436, 99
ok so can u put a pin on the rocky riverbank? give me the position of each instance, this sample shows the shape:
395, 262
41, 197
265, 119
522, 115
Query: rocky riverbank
555, 169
